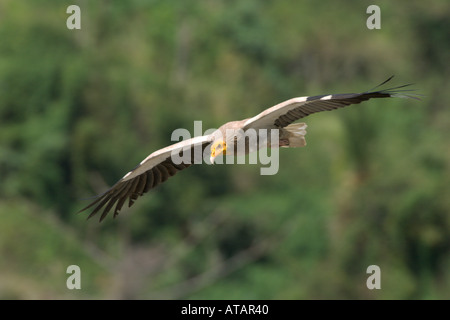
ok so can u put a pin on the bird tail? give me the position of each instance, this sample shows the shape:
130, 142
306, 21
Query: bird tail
296, 135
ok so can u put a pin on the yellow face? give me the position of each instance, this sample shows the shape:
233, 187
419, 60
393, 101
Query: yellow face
218, 148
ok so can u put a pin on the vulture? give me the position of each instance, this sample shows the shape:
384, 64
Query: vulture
161, 164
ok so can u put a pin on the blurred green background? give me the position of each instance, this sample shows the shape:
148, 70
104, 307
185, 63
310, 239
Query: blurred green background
80, 108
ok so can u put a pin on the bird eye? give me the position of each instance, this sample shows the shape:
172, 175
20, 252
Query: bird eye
219, 146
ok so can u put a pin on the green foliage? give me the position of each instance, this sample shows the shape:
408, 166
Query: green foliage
79, 108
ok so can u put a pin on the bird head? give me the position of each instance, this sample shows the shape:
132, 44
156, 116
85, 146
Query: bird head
219, 147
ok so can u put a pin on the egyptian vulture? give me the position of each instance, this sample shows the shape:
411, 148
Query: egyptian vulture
159, 166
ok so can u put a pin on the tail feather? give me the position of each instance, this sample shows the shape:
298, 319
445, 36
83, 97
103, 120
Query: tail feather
296, 135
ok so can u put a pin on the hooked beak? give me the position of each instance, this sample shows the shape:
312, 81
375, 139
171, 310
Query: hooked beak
214, 155
217, 149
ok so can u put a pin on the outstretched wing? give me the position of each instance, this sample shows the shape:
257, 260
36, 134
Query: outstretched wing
152, 171
291, 110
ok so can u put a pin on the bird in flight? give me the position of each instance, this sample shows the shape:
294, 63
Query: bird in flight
160, 165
